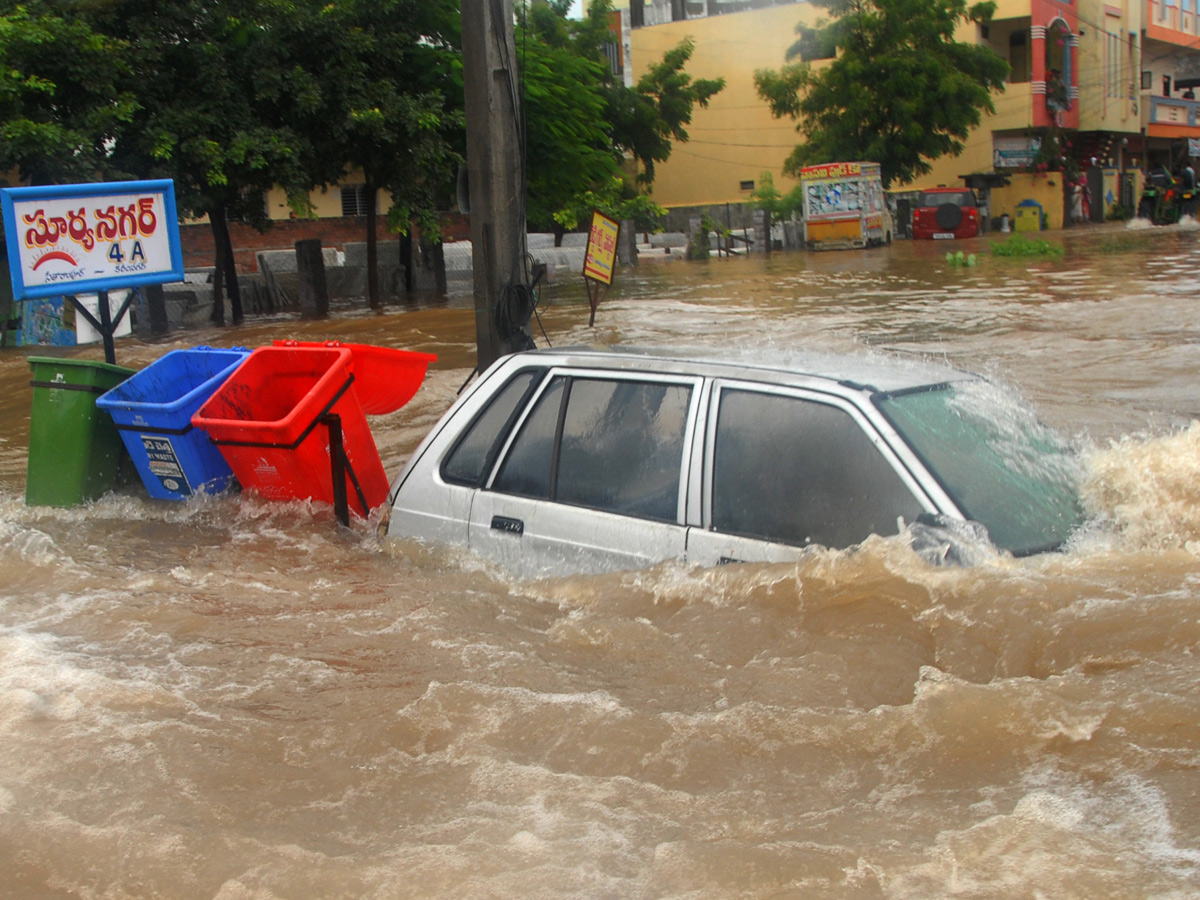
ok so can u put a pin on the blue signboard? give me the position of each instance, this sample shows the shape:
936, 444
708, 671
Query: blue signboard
84, 238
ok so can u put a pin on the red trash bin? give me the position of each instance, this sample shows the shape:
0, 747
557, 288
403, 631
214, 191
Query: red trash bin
384, 378
273, 420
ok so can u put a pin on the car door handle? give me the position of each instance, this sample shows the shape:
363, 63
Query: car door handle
504, 523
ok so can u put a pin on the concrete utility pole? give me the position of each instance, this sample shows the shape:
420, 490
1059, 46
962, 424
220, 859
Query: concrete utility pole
495, 171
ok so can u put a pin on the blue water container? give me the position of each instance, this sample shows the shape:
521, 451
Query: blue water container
153, 411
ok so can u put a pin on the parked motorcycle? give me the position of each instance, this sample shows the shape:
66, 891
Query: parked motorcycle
1162, 200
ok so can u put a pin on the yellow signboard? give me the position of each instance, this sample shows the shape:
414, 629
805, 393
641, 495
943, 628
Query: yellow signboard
601, 253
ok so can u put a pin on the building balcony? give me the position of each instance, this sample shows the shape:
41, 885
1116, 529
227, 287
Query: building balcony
1171, 22
1171, 117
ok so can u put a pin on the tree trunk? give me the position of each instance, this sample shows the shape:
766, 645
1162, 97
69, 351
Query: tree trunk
227, 265
160, 323
407, 259
218, 282
310, 267
371, 192
434, 253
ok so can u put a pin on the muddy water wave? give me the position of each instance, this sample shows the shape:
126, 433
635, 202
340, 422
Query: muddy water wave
236, 699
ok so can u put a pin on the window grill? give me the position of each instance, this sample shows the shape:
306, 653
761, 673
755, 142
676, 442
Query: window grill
354, 199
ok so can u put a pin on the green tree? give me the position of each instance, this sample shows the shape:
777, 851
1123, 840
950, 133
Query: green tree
566, 134
777, 205
385, 100
647, 120
901, 90
209, 94
583, 126
233, 97
62, 93
618, 199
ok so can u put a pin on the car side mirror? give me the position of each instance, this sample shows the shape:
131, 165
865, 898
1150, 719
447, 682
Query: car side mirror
944, 541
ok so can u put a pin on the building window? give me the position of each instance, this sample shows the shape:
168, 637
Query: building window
746, 186
1113, 51
1018, 57
612, 50
354, 199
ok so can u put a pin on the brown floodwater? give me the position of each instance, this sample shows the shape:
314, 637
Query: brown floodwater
236, 699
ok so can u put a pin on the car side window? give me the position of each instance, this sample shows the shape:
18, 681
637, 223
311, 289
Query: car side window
615, 445
475, 452
801, 472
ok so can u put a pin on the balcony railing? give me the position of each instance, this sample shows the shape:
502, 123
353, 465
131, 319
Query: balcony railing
1173, 111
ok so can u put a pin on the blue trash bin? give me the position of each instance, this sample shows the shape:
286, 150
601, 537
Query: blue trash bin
153, 412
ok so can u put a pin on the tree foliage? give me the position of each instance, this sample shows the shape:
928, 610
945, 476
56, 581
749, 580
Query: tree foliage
208, 113
584, 126
385, 86
63, 93
383, 96
647, 120
901, 90
618, 199
566, 139
778, 206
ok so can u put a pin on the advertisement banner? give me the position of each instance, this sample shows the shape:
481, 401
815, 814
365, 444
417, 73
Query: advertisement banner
601, 253
85, 238
1015, 152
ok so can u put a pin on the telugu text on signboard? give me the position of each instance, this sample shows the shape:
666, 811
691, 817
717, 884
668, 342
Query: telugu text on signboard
71, 239
601, 252
832, 170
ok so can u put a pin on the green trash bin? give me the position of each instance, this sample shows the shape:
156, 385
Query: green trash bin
75, 450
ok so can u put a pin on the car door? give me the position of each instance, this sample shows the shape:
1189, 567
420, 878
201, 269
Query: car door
592, 478
787, 469
432, 497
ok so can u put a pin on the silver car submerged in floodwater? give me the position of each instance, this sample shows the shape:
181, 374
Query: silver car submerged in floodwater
559, 461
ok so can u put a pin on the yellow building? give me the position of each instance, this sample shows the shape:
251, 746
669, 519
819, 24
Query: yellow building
735, 139
1077, 69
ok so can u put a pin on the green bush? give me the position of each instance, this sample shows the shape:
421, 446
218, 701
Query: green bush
1019, 245
1119, 213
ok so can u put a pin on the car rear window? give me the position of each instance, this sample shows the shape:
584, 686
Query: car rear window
799, 472
475, 451
958, 198
1000, 466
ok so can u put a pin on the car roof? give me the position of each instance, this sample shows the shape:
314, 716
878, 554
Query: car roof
870, 372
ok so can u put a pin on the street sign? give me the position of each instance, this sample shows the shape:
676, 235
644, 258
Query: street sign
599, 259
86, 238
601, 250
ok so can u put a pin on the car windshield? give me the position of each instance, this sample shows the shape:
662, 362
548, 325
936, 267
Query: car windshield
1000, 466
958, 198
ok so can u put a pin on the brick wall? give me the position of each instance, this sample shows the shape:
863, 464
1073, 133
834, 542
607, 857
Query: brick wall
197, 240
